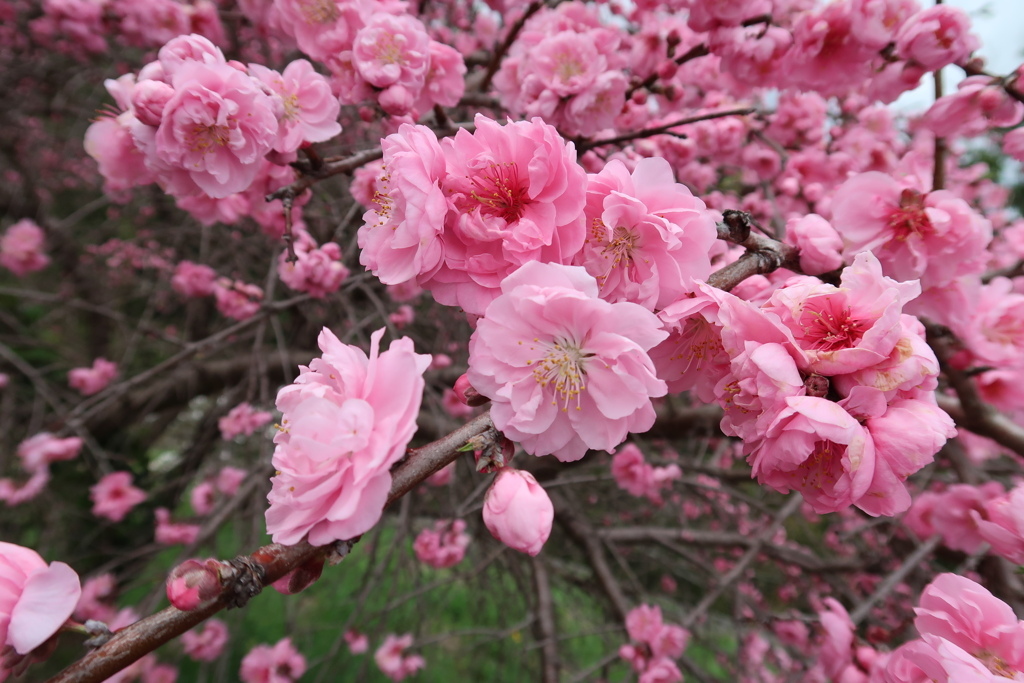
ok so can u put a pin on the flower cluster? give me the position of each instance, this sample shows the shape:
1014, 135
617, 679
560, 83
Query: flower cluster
36, 453
392, 660
655, 645
442, 546
280, 663
634, 474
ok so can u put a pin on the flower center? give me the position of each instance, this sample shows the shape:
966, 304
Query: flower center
202, 137
291, 106
822, 468
567, 67
619, 249
910, 218
389, 50
829, 327
500, 192
564, 369
319, 11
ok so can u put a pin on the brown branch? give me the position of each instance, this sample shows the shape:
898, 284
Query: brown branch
896, 578
513, 33
763, 255
694, 52
584, 145
326, 169
545, 623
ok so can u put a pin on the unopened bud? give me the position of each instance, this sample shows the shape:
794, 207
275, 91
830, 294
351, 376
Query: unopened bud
192, 583
467, 394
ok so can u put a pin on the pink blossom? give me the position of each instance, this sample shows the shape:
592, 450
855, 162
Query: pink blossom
89, 381
37, 598
995, 331
193, 279
647, 234
216, 128
936, 236
1013, 143
1002, 525
332, 482
656, 644
358, 643
979, 103
173, 533
393, 52
237, 300
114, 496
819, 243
96, 599
401, 239
281, 663
242, 419
827, 55
442, 546
517, 196
38, 451
442, 477
203, 498
876, 21
310, 109
392, 660
402, 317
317, 271
193, 582
453, 405
445, 82
935, 37
954, 514
518, 512
207, 644
634, 474
565, 370
229, 479
21, 248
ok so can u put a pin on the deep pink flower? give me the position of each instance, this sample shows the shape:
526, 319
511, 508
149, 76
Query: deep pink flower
647, 235
565, 370
217, 127
935, 37
318, 271
310, 108
21, 248
281, 663
347, 419
193, 279
193, 582
634, 474
518, 512
89, 381
242, 419
237, 300
442, 546
39, 450
114, 496
36, 598
392, 660
207, 644
358, 643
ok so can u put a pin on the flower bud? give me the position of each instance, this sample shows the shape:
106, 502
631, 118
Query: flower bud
192, 583
518, 512
467, 394
149, 99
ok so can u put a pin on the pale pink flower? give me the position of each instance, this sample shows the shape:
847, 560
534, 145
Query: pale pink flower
21, 248
392, 660
207, 644
954, 514
936, 236
401, 239
392, 50
876, 21
995, 332
318, 271
310, 108
203, 498
836, 648
37, 598
656, 644
217, 127
707, 16
358, 643
1002, 525
819, 243
979, 103
322, 27
827, 54
518, 512
661, 670
281, 663
935, 37
38, 451
150, 23
173, 533
1013, 143
236, 299
403, 316
445, 82
242, 419
89, 381
634, 474
229, 479
517, 196
565, 370
71, 26
647, 234
347, 419
114, 496
193, 279
442, 546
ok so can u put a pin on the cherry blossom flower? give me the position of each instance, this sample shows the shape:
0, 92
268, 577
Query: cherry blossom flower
114, 496
317, 271
193, 582
173, 533
332, 482
518, 512
237, 300
95, 602
936, 37
242, 419
37, 598
392, 660
193, 279
310, 109
281, 663
565, 370
206, 644
442, 546
229, 479
21, 248
655, 645
89, 381
819, 243
203, 498
358, 643
634, 474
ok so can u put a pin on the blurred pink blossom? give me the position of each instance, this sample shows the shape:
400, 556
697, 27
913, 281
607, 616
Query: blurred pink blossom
281, 663
92, 380
206, 644
444, 545
114, 496
392, 660
21, 248
242, 419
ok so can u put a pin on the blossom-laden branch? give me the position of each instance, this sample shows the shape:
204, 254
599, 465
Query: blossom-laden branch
583, 146
248, 575
763, 254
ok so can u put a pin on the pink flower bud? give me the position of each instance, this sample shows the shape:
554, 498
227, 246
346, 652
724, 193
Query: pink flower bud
192, 583
467, 394
149, 99
518, 512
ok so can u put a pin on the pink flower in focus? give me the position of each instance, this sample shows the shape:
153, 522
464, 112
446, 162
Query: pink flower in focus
518, 512
347, 419
358, 643
819, 243
206, 644
36, 598
442, 546
114, 496
565, 370
281, 663
89, 381
310, 108
237, 300
647, 234
193, 582
217, 127
193, 279
21, 248
392, 660
173, 533
242, 419
936, 37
